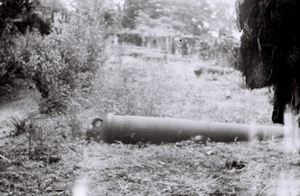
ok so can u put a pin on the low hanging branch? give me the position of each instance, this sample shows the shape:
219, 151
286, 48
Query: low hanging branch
258, 41
2, 157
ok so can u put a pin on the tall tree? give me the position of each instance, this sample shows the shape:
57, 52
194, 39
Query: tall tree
132, 8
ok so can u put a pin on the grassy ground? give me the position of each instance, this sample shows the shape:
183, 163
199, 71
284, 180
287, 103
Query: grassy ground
152, 87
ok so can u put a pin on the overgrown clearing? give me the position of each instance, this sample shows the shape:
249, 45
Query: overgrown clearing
165, 88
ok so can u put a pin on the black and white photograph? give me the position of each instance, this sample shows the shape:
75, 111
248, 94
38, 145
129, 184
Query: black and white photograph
149, 97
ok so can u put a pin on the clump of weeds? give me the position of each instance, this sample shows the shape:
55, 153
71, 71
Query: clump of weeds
39, 160
19, 124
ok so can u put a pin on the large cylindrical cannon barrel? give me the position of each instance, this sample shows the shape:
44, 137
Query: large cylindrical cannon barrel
132, 129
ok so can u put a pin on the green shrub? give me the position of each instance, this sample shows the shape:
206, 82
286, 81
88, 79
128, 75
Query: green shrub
57, 63
42, 62
226, 48
9, 65
59, 58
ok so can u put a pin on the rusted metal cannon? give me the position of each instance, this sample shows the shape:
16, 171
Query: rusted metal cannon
132, 129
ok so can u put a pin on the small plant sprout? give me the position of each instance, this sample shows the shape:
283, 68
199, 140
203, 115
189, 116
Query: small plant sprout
19, 124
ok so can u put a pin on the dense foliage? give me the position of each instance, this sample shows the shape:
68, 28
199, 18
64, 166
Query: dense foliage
186, 17
23, 14
11, 11
208, 23
132, 8
57, 63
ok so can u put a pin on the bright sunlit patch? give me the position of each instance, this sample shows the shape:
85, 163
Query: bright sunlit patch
236, 34
80, 188
214, 33
291, 131
205, 24
287, 184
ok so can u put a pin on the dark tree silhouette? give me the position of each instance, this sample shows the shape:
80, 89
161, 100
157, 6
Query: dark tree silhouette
270, 49
23, 14
131, 10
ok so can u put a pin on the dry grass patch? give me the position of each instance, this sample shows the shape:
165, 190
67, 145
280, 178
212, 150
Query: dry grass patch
184, 168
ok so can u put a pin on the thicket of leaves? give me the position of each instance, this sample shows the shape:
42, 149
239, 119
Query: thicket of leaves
12, 12
132, 8
56, 63
226, 48
193, 18
9, 65
179, 16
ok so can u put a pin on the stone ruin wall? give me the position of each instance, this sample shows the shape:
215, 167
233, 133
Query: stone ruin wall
176, 45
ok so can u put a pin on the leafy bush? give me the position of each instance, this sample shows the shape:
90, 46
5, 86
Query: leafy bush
9, 65
224, 48
42, 61
57, 63
59, 58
